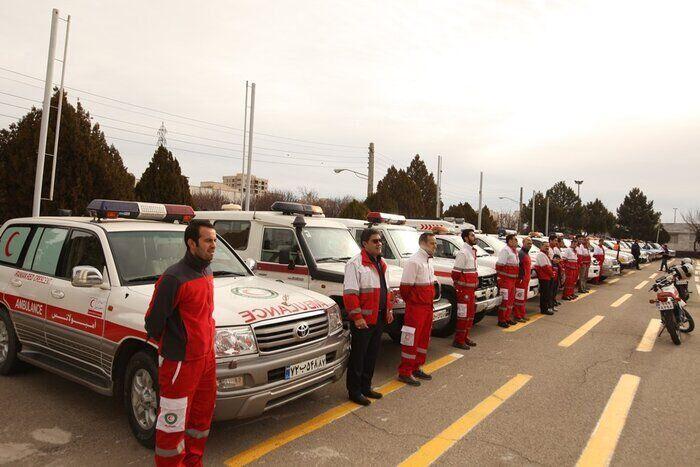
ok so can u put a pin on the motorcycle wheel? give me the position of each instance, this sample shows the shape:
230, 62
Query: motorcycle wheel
689, 325
671, 326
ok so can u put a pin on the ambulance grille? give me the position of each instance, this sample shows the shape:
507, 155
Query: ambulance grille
487, 281
291, 332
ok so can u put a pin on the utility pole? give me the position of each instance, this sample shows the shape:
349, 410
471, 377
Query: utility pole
250, 146
674, 215
532, 226
578, 187
41, 152
245, 128
161, 135
370, 170
439, 181
58, 111
481, 186
520, 211
546, 222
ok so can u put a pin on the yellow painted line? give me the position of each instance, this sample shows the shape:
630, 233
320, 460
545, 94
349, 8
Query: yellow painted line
649, 337
518, 326
436, 447
641, 285
653, 275
259, 450
614, 280
603, 441
580, 332
621, 300
584, 295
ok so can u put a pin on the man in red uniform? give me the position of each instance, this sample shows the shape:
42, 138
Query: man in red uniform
599, 255
507, 266
180, 319
418, 291
571, 266
584, 263
545, 274
466, 280
522, 284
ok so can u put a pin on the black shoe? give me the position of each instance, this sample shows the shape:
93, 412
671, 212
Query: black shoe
410, 380
503, 324
372, 394
471, 343
547, 312
521, 320
457, 345
359, 399
420, 374
512, 322
557, 303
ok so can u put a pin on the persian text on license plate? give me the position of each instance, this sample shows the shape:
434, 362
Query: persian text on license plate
664, 305
298, 369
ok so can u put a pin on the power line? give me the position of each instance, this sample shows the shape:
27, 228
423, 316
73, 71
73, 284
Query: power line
10, 116
19, 97
13, 105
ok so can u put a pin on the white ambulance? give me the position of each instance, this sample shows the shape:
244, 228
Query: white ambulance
74, 293
401, 241
293, 243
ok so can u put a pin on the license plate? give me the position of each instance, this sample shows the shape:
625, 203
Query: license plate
441, 314
664, 305
309, 366
681, 282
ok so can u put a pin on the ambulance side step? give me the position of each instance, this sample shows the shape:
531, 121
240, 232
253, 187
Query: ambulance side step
101, 385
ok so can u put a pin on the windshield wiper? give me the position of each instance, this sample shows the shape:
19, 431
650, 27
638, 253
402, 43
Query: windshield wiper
332, 258
145, 278
227, 273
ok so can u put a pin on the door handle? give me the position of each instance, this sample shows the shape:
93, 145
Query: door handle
16, 282
57, 293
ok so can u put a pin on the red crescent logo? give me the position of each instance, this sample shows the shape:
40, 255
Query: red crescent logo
7, 245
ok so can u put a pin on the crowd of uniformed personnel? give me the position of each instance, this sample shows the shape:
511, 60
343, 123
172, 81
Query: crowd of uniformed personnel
369, 301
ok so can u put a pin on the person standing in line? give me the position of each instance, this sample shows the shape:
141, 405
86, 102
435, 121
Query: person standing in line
636, 252
554, 254
584, 262
418, 291
599, 255
522, 284
466, 280
664, 258
570, 260
507, 267
616, 247
545, 274
369, 302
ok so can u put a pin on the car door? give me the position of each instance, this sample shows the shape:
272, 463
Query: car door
75, 315
281, 258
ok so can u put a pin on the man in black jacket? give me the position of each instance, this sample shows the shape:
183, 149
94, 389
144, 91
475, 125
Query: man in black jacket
664, 258
636, 252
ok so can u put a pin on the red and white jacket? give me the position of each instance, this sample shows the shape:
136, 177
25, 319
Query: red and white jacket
464, 272
599, 254
570, 258
418, 280
584, 256
508, 264
361, 288
543, 266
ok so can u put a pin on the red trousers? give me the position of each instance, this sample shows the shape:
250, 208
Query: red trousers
521, 288
466, 309
570, 281
415, 337
507, 287
187, 397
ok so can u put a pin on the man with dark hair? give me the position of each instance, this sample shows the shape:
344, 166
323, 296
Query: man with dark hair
554, 254
584, 263
418, 291
664, 258
180, 319
466, 280
636, 252
507, 266
570, 260
368, 301
522, 284
545, 274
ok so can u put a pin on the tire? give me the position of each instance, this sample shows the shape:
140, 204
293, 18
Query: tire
141, 375
689, 325
9, 345
450, 327
671, 326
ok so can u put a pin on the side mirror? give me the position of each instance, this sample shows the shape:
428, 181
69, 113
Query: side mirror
489, 250
86, 276
251, 263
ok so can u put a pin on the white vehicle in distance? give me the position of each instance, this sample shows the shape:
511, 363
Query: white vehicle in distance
492, 245
74, 292
446, 225
401, 242
294, 244
624, 257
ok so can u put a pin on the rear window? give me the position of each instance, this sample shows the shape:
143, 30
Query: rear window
236, 233
12, 242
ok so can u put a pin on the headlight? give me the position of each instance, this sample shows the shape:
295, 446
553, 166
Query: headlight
335, 321
397, 299
234, 341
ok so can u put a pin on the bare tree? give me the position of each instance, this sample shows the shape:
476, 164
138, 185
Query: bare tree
209, 201
692, 218
264, 201
506, 219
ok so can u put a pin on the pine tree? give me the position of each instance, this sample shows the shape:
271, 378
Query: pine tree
636, 216
354, 210
397, 194
488, 223
463, 210
597, 218
418, 172
540, 213
162, 181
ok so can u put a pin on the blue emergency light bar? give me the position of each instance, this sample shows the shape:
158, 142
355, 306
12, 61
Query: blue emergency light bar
111, 209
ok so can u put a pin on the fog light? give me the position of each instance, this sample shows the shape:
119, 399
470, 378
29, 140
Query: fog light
231, 383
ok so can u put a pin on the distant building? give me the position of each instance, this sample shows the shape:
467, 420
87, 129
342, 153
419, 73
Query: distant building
226, 191
682, 236
238, 182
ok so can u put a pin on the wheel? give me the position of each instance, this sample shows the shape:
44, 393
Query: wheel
141, 397
449, 328
671, 326
9, 345
688, 325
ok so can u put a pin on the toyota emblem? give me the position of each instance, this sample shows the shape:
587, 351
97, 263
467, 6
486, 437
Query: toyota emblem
302, 330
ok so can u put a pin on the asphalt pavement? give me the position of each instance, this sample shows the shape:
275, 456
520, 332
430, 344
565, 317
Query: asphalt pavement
584, 386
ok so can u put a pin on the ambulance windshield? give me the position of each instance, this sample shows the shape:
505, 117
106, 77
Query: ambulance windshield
329, 244
406, 241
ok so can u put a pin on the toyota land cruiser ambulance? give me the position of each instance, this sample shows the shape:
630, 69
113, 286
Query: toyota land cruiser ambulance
401, 241
74, 293
294, 244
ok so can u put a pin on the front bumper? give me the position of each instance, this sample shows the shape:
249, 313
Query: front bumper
264, 385
440, 318
609, 271
487, 299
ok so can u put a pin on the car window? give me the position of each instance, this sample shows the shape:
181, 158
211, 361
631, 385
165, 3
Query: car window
236, 233
11, 243
83, 249
387, 253
48, 251
276, 240
445, 249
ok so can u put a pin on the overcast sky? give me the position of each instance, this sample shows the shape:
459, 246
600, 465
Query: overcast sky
529, 92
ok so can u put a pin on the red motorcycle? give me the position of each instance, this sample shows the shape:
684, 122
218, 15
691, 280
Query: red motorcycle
674, 317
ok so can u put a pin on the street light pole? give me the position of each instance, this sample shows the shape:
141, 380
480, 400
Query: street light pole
532, 226
578, 188
520, 210
674, 214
